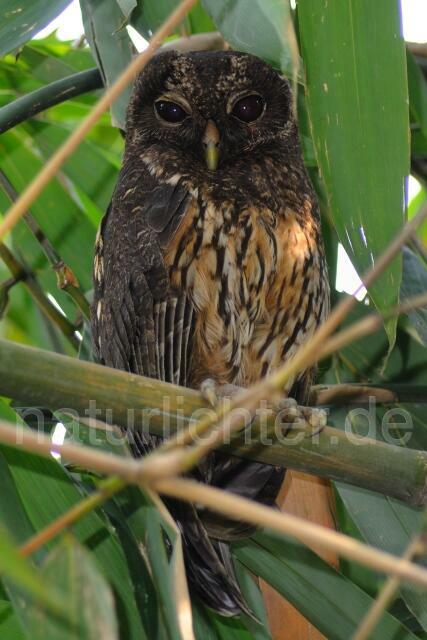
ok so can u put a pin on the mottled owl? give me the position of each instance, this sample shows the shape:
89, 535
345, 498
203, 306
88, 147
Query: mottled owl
209, 262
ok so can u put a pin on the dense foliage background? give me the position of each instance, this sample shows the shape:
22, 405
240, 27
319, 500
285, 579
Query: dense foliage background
354, 81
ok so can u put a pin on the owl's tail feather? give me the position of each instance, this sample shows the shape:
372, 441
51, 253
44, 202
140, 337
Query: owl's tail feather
208, 564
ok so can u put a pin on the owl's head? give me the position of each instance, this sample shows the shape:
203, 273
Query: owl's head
209, 109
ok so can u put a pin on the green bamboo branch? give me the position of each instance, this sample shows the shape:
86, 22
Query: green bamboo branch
58, 382
59, 91
20, 273
65, 278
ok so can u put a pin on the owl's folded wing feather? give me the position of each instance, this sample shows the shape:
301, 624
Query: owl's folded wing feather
139, 324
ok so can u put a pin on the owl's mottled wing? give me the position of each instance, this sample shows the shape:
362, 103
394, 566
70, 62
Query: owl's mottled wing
139, 324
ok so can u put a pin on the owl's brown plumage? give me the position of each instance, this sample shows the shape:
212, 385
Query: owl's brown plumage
209, 261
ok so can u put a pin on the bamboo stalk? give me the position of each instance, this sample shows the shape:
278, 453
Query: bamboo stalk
42, 378
54, 93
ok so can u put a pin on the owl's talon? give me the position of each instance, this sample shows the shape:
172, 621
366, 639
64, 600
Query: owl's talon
213, 392
208, 389
292, 414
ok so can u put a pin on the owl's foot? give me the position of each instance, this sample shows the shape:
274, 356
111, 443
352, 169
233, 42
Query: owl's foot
291, 414
294, 415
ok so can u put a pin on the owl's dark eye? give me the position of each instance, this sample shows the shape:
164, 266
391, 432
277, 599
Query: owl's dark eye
249, 108
170, 111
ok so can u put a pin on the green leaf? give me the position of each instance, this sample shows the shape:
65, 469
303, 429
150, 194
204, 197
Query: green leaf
330, 601
111, 46
260, 27
414, 282
46, 492
417, 87
389, 525
253, 597
19, 571
357, 99
72, 570
21, 19
10, 627
148, 16
150, 522
60, 217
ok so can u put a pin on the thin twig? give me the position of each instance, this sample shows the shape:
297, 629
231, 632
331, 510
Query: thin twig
26, 199
239, 508
21, 273
368, 325
387, 593
130, 469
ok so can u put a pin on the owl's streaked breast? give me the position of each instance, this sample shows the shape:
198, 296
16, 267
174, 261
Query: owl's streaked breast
257, 282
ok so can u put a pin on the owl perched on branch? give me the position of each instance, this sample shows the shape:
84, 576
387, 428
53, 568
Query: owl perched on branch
209, 262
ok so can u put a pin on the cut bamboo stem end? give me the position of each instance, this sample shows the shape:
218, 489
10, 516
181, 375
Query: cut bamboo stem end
42, 378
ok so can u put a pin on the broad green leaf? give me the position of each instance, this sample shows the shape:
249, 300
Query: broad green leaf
72, 570
417, 87
415, 206
260, 27
127, 6
21, 19
46, 492
414, 283
12, 513
149, 522
253, 597
10, 627
111, 47
148, 16
330, 601
60, 217
20, 572
199, 21
98, 183
389, 525
357, 100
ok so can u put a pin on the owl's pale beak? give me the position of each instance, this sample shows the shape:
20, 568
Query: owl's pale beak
210, 142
